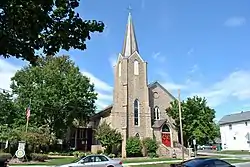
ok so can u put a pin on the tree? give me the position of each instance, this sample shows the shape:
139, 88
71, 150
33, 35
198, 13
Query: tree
197, 119
48, 26
58, 92
108, 137
8, 110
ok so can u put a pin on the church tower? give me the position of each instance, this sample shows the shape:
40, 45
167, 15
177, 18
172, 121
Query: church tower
131, 112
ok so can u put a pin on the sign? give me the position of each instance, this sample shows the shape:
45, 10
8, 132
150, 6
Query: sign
194, 142
21, 145
20, 153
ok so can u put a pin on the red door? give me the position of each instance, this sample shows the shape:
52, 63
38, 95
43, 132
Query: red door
166, 139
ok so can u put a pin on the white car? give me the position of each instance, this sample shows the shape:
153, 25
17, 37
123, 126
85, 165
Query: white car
95, 161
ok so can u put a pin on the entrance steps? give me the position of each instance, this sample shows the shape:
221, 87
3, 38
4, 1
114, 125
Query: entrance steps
164, 151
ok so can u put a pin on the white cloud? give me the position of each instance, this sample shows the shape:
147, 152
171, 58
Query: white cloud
7, 71
99, 84
103, 89
235, 21
157, 56
112, 60
235, 85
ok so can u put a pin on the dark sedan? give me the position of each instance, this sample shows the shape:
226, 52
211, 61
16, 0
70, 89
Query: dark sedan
203, 162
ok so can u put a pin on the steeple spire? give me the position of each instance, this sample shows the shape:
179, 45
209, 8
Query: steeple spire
130, 43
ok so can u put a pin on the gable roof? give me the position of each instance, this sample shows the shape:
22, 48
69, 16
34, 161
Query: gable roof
156, 83
232, 118
109, 108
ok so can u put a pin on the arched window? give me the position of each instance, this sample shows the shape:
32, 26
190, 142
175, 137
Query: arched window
136, 67
137, 135
165, 128
120, 69
136, 112
156, 113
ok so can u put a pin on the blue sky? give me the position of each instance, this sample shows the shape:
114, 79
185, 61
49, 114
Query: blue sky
198, 46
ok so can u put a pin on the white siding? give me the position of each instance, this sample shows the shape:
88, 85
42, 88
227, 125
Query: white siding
235, 138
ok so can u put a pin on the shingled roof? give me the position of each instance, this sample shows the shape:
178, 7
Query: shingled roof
232, 118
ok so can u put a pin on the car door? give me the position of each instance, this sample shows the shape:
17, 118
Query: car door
101, 161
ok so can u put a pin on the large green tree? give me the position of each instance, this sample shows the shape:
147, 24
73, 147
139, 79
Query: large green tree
197, 119
58, 93
8, 110
46, 25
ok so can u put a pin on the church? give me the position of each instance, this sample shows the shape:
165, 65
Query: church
139, 108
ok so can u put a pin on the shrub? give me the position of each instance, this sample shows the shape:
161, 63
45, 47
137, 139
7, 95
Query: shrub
5, 156
99, 151
134, 147
150, 145
39, 157
153, 155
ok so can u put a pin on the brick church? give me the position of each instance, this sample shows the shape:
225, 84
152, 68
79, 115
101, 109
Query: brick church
138, 109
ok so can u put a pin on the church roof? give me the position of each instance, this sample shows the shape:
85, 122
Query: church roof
158, 123
130, 43
156, 83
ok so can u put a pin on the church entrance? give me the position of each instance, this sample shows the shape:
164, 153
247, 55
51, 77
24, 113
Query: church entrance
165, 136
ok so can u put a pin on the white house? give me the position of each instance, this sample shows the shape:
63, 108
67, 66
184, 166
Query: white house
235, 131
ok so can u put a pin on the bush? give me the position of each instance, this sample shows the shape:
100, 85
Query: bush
39, 157
5, 156
99, 151
153, 155
134, 147
150, 145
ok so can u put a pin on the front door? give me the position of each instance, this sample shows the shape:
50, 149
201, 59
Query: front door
166, 139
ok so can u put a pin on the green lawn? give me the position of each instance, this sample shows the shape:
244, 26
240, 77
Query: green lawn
51, 162
65, 160
135, 160
167, 164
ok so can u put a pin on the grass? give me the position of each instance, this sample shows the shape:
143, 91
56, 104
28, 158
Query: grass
137, 160
50, 162
66, 160
232, 161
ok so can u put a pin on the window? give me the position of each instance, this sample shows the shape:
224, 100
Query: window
246, 123
230, 126
137, 135
156, 113
120, 69
136, 112
89, 159
100, 159
136, 67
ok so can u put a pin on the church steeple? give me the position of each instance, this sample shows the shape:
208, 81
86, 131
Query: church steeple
130, 43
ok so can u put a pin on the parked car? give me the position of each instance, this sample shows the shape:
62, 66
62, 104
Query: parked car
204, 147
95, 161
203, 162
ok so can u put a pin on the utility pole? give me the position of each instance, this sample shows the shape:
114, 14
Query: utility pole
182, 143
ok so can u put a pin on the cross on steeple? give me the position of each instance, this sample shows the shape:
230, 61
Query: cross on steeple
129, 9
